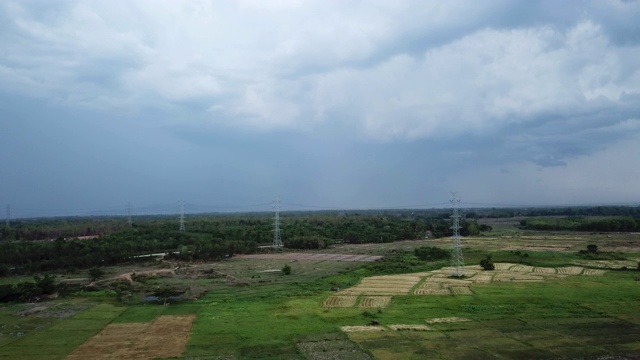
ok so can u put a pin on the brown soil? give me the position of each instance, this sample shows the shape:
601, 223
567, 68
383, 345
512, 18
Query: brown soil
164, 337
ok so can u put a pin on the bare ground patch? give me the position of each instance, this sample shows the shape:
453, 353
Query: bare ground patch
166, 336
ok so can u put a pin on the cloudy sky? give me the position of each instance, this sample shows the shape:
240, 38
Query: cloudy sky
327, 104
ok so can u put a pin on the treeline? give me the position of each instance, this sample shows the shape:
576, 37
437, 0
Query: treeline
319, 231
38, 256
66, 227
215, 238
614, 224
27, 291
259, 225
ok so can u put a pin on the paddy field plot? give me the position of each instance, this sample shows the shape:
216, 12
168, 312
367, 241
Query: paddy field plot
340, 301
166, 336
384, 285
374, 301
440, 283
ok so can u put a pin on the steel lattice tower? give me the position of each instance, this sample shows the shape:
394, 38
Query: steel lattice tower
457, 261
277, 241
182, 216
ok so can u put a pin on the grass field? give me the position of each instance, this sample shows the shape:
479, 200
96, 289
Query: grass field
551, 304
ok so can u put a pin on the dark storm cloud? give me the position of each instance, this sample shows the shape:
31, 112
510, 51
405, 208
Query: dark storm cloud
346, 103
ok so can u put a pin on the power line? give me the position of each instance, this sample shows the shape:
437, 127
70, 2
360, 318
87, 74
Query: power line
321, 207
228, 207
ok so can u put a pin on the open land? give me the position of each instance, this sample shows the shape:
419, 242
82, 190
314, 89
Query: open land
547, 305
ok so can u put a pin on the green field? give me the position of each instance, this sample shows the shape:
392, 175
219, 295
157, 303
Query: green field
256, 312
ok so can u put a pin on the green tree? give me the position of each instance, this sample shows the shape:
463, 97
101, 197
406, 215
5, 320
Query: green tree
473, 228
46, 284
286, 269
28, 291
166, 293
487, 263
4, 270
96, 273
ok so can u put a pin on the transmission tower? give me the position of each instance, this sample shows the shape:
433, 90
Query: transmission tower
182, 216
457, 261
8, 218
277, 241
129, 219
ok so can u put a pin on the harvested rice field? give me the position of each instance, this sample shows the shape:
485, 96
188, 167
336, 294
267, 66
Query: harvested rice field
609, 264
166, 336
340, 301
374, 301
361, 328
409, 327
440, 283
446, 320
384, 285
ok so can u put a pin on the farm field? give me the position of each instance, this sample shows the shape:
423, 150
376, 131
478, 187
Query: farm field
549, 305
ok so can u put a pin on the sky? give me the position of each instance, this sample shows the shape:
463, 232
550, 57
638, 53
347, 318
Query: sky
226, 105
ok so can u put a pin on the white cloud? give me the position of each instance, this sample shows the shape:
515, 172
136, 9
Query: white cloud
400, 70
486, 80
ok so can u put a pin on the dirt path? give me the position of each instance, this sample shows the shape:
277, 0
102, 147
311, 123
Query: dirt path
312, 256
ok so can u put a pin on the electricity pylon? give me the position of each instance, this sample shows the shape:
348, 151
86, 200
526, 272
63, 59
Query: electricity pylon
182, 216
277, 241
457, 261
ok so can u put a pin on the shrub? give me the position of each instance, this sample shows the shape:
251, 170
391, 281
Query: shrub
96, 273
429, 253
487, 263
286, 269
